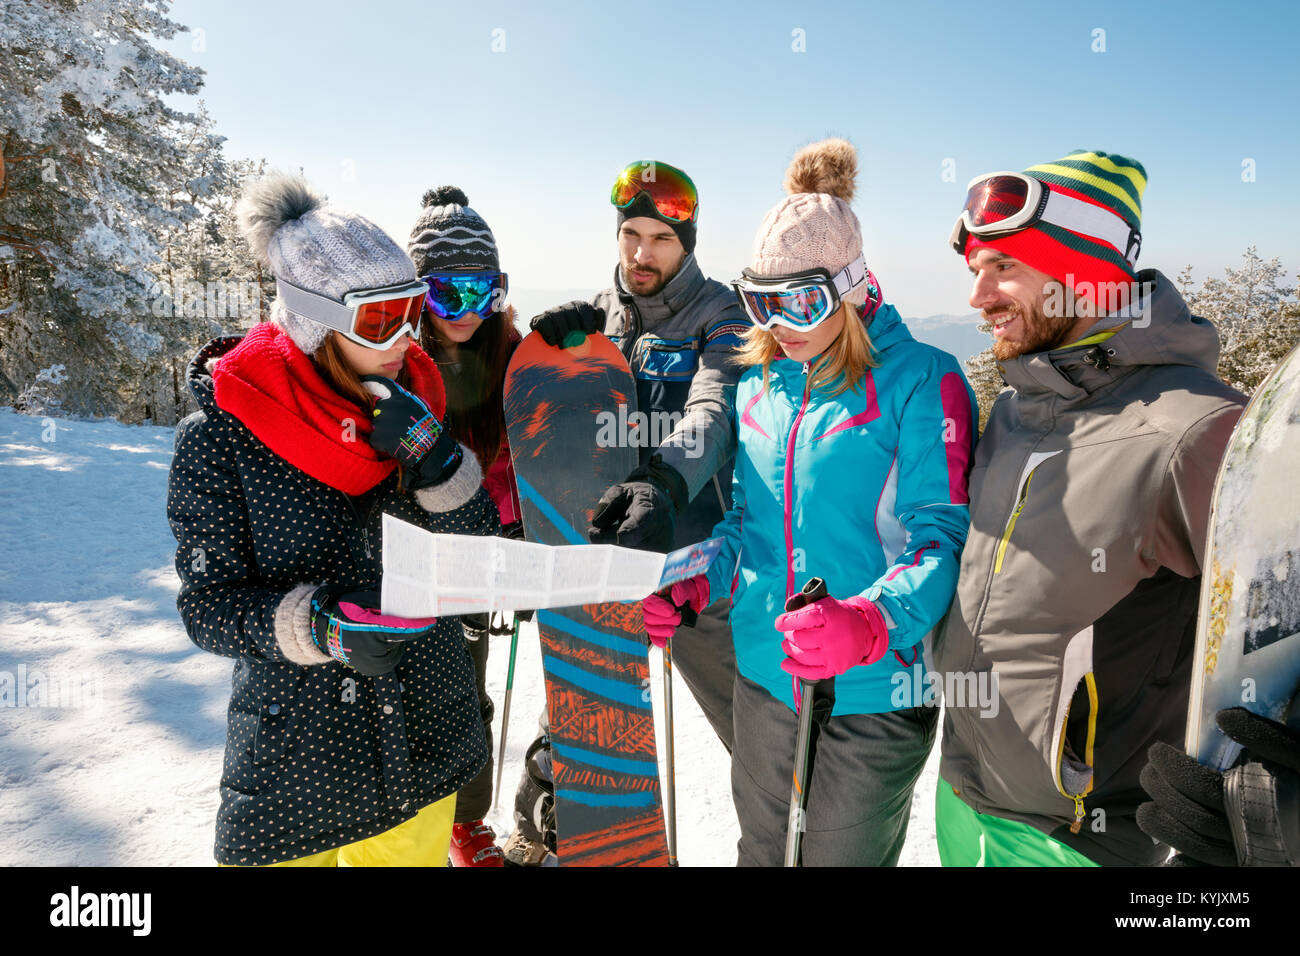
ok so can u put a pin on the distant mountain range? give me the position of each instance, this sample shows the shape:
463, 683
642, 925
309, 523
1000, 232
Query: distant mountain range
958, 334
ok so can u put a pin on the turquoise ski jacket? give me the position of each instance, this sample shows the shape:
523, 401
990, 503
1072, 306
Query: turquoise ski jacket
866, 490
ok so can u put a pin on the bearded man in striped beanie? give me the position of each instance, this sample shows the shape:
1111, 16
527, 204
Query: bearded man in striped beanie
1067, 651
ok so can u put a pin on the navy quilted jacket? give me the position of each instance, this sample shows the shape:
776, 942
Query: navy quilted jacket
317, 755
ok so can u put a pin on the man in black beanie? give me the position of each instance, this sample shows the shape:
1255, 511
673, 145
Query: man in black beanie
678, 331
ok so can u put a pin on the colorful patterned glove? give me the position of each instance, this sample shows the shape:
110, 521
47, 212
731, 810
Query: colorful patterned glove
405, 429
349, 627
824, 639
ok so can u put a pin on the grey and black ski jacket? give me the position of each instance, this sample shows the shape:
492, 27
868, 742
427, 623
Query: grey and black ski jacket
1071, 634
680, 345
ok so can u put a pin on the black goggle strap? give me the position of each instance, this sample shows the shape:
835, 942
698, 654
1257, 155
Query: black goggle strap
487, 275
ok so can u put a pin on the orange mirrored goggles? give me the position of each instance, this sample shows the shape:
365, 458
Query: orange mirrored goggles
670, 190
375, 318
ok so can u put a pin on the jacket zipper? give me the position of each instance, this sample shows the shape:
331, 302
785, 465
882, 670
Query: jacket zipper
365, 539
789, 489
988, 584
324, 496
1079, 810
635, 315
1011, 523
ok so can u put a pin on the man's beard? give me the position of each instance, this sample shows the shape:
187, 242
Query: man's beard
656, 284
1040, 332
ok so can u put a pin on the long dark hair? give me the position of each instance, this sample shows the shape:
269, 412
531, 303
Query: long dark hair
475, 390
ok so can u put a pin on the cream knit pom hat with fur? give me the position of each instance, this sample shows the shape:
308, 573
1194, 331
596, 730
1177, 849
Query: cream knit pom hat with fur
813, 227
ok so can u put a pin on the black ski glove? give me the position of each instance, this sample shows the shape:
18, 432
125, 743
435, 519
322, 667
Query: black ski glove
642, 511
483, 624
1248, 816
349, 627
555, 325
476, 626
408, 431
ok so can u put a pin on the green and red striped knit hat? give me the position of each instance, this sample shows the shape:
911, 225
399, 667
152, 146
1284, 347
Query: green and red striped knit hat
1113, 182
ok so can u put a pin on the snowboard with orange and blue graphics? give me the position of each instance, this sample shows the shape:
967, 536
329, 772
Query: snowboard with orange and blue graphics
604, 757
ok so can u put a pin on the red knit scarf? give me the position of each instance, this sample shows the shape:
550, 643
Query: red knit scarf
277, 391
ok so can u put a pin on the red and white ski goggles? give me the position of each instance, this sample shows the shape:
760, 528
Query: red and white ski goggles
999, 204
375, 318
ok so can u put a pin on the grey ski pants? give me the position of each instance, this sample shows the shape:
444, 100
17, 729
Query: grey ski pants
859, 791
706, 659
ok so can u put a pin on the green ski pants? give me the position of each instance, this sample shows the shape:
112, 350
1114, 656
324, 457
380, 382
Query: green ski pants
967, 838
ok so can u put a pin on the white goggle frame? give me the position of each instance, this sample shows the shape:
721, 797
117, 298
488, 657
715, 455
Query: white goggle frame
1044, 205
341, 317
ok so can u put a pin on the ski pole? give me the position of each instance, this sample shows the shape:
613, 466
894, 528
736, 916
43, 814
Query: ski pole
689, 619
814, 695
670, 797
505, 714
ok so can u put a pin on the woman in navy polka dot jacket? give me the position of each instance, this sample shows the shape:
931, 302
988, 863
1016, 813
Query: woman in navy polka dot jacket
276, 498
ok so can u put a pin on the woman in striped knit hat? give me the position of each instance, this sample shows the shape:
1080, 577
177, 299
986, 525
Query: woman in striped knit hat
469, 331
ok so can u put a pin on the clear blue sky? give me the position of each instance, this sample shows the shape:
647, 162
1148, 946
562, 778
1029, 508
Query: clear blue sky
378, 101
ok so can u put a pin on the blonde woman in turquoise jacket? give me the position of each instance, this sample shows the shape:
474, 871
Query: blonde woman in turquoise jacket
854, 448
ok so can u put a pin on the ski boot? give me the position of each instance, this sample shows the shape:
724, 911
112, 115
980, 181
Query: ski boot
533, 841
474, 844
521, 851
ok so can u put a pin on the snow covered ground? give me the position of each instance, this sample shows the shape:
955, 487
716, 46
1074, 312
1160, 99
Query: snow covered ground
112, 723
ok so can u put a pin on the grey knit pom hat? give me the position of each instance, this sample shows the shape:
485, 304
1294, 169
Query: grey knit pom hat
451, 235
323, 250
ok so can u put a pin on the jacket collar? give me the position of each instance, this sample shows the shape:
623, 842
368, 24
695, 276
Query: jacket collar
1157, 330
1038, 376
199, 373
280, 395
671, 299
887, 328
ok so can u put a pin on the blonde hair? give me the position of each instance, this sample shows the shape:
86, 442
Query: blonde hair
846, 359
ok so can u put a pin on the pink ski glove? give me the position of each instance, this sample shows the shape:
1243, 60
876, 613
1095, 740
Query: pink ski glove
827, 637
662, 615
